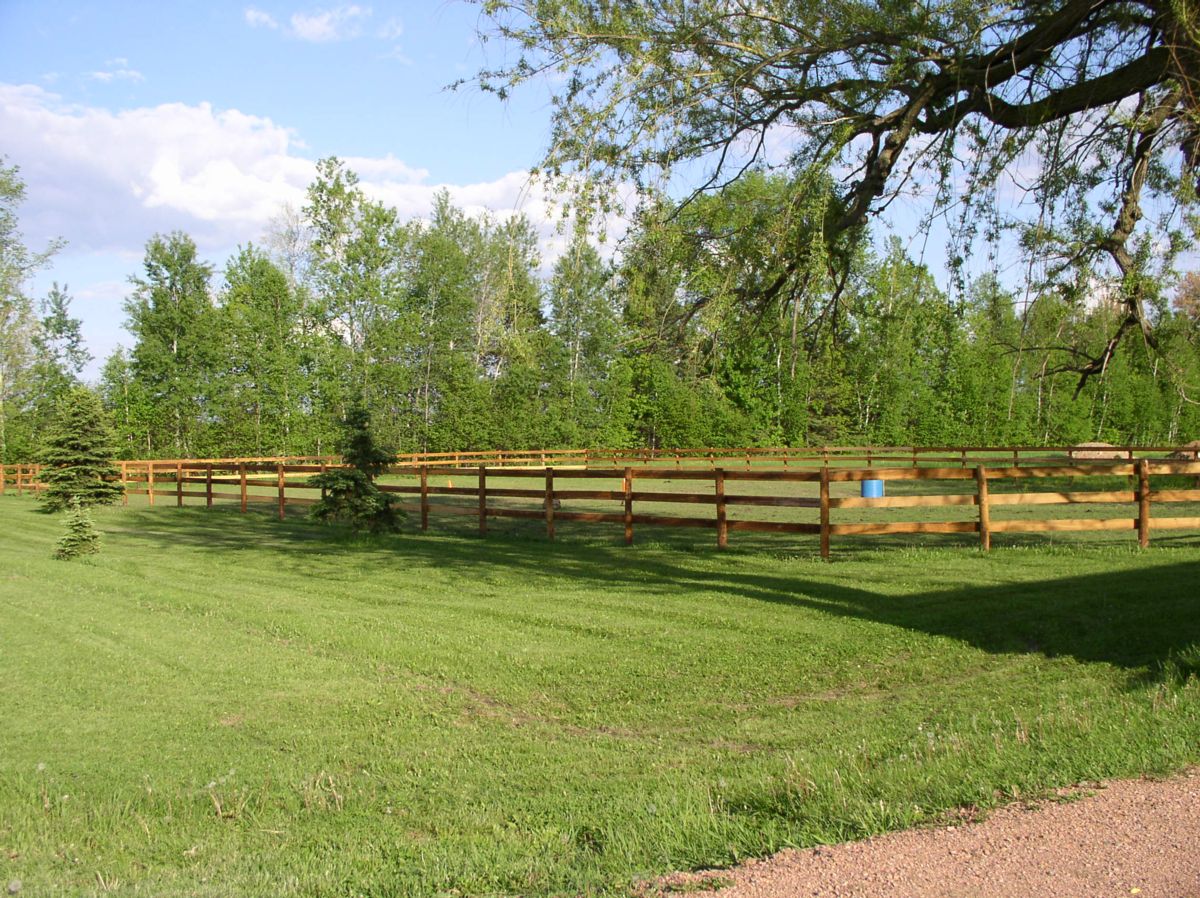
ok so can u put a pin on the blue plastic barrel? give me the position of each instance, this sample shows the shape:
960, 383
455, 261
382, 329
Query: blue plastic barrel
872, 489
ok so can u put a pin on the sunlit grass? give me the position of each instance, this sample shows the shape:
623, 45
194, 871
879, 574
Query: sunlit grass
224, 704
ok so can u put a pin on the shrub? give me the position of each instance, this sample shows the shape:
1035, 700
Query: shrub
351, 495
77, 457
81, 536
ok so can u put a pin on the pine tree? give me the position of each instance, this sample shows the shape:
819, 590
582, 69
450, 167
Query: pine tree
351, 495
81, 536
77, 457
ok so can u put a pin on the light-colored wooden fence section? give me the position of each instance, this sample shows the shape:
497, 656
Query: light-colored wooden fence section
19, 478
870, 456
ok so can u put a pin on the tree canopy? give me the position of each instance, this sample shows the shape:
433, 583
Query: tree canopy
1089, 110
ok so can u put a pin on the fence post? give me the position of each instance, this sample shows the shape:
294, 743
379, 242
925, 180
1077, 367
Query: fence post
424, 497
208, 483
282, 492
179, 484
324, 491
3, 479
549, 503
150, 482
483, 500
722, 523
985, 512
824, 512
124, 483
628, 485
1143, 499
242, 473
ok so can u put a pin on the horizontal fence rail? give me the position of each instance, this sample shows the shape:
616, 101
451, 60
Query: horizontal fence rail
1010, 493
789, 456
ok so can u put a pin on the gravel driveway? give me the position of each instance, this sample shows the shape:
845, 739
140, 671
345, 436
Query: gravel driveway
1134, 837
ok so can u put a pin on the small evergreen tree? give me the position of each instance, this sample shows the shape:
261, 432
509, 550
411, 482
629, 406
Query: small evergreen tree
81, 537
351, 495
77, 457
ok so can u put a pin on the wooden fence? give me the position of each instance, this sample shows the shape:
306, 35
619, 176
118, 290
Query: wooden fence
794, 456
799, 500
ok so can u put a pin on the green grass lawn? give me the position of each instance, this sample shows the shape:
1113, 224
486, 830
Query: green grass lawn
222, 704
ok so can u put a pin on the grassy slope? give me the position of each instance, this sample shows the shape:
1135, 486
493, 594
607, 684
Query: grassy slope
226, 705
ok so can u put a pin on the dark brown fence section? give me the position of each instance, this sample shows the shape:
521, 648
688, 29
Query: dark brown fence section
1125, 509
991, 498
551, 489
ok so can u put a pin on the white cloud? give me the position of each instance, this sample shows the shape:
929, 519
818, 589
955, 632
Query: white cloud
107, 76
322, 26
106, 181
256, 18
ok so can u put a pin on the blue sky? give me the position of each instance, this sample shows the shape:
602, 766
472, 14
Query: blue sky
133, 118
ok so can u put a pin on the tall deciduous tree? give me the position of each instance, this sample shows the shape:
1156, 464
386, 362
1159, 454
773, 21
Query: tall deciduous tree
59, 359
358, 250
260, 383
1101, 93
18, 323
172, 318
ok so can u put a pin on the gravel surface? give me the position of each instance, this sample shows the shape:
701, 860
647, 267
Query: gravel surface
1135, 837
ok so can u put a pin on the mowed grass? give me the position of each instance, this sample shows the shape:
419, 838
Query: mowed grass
223, 704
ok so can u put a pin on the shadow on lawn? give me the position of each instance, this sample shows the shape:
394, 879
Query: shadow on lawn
1144, 618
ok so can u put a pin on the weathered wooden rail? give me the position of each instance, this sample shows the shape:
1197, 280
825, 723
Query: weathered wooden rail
801, 500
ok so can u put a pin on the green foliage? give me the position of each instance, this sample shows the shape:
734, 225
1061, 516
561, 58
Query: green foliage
719, 323
350, 494
173, 320
261, 377
81, 536
866, 99
23, 362
77, 456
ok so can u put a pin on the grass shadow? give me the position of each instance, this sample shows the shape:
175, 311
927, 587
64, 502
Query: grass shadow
1140, 613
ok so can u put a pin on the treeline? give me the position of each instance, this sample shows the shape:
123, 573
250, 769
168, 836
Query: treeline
697, 335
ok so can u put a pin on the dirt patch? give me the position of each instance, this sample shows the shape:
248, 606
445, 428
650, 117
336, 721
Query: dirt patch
1124, 838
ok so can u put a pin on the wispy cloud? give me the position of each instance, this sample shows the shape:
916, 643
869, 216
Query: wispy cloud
392, 29
256, 18
325, 25
397, 53
107, 76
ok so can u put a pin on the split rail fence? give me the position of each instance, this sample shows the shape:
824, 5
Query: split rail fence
982, 484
